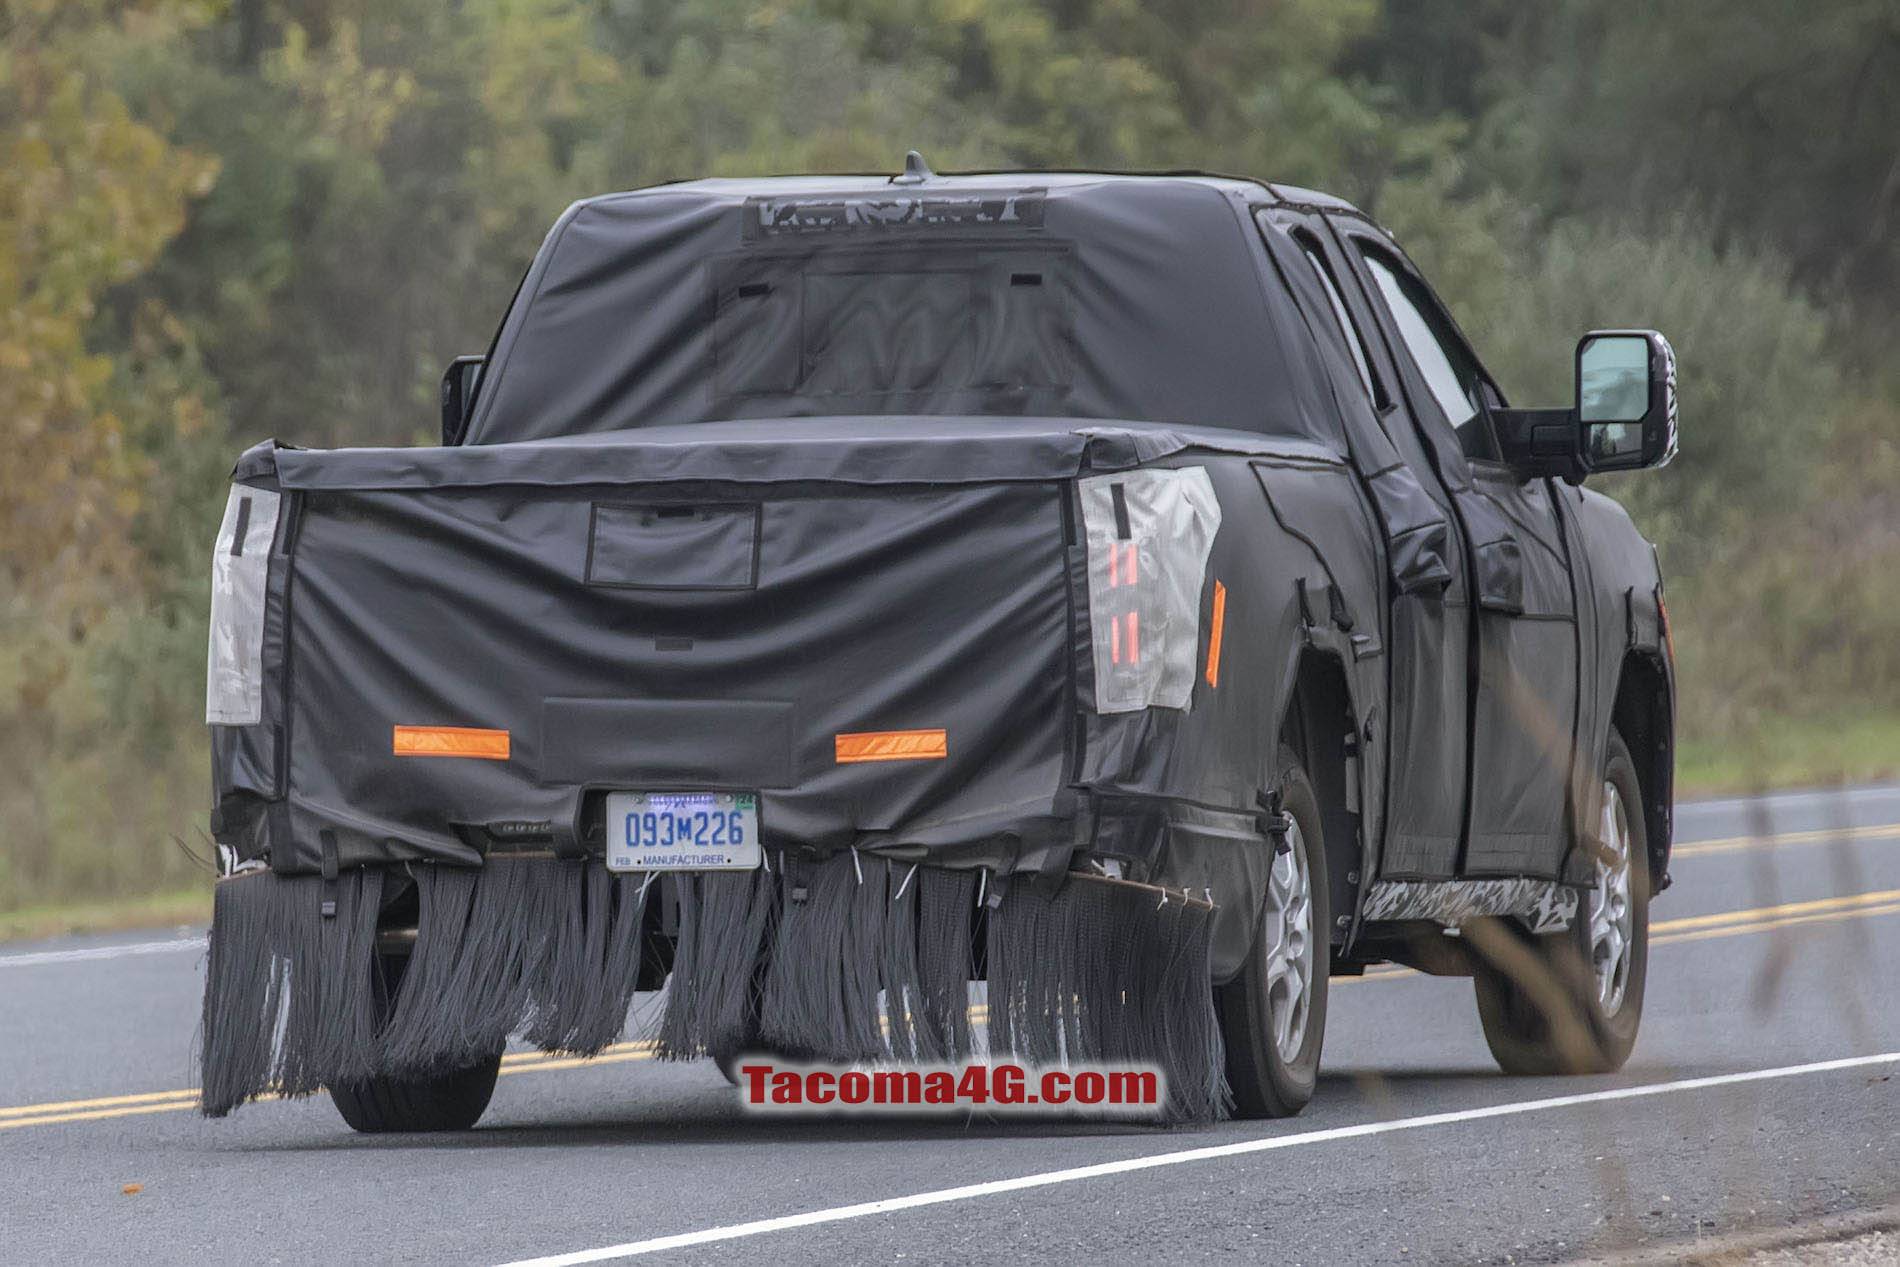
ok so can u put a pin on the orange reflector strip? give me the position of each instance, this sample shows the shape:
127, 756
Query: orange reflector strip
892, 745
451, 741
1214, 635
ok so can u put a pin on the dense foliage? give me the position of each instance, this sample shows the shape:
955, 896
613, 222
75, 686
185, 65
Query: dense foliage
227, 220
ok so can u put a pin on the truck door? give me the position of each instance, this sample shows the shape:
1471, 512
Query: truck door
1428, 634
1523, 649
1526, 706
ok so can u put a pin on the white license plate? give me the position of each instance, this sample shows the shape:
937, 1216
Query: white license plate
682, 831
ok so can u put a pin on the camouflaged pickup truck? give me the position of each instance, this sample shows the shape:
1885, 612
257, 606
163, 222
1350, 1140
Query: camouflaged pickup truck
903, 618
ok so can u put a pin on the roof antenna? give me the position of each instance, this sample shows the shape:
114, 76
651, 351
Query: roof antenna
916, 171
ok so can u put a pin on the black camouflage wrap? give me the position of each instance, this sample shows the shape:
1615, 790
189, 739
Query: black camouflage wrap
759, 464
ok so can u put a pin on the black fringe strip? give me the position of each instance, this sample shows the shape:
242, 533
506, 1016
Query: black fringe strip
849, 958
486, 950
842, 959
330, 1029
898, 973
1109, 972
543, 946
591, 1012
289, 995
712, 996
420, 1035
870, 960
821, 983
295, 1001
946, 902
243, 985
1033, 962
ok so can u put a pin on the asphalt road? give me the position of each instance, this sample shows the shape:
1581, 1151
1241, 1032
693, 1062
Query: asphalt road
1777, 950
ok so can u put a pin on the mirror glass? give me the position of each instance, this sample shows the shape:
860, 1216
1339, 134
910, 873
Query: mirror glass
459, 383
470, 370
1613, 379
1613, 398
1613, 445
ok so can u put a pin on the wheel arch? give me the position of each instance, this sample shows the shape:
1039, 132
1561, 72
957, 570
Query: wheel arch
1320, 723
1644, 714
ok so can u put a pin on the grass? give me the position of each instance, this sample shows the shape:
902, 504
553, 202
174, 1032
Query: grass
1812, 752
157, 910
1791, 753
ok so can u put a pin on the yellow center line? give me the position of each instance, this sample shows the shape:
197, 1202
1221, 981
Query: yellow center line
1732, 844
1769, 912
1693, 928
131, 1110
612, 1056
522, 1061
1791, 921
110, 1101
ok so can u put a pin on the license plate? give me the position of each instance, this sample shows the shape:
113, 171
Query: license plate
682, 831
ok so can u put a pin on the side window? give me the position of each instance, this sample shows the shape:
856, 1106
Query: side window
1454, 379
1374, 388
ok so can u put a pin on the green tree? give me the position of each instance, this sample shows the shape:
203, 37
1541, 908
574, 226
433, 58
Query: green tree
89, 195
1774, 123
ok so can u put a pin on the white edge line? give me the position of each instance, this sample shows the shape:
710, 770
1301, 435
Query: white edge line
36, 957
940, 1196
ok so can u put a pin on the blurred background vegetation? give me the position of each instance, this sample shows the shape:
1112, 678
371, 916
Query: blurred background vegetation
221, 221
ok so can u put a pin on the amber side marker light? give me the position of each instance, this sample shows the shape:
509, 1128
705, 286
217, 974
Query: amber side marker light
892, 745
451, 741
1217, 626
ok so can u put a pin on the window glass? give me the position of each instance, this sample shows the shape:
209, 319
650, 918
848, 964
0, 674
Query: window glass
1346, 327
1449, 373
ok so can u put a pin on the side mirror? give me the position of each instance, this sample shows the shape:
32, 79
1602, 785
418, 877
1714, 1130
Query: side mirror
1626, 400
1624, 418
459, 383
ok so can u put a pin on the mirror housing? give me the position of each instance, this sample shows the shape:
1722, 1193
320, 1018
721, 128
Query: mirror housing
459, 383
1626, 400
1623, 418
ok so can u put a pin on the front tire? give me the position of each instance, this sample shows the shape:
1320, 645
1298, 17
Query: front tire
1571, 1002
1273, 1015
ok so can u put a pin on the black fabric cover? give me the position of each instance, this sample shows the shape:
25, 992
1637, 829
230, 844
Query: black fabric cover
715, 629
1074, 299
761, 470
850, 450
758, 464
890, 611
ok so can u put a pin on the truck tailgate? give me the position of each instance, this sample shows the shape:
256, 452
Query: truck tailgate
464, 667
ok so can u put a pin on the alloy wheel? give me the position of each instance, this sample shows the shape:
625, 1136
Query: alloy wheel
1612, 913
1289, 934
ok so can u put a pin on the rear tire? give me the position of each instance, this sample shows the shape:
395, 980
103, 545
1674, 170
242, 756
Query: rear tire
1571, 1002
1273, 1015
452, 1101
